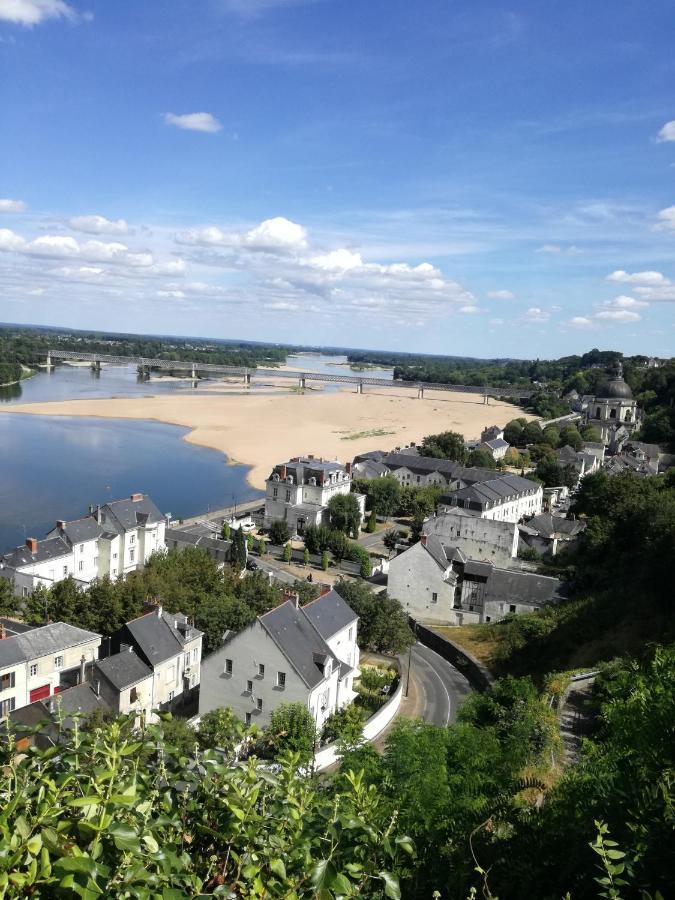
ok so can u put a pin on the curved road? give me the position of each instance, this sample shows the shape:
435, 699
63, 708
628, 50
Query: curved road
442, 687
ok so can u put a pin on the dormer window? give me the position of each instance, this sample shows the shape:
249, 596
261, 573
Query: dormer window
275, 476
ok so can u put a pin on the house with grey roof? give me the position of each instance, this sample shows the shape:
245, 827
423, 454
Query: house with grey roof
507, 498
171, 648
126, 683
548, 533
419, 471
298, 491
180, 538
55, 717
437, 584
496, 447
478, 538
39, 662
306, 654
113, 540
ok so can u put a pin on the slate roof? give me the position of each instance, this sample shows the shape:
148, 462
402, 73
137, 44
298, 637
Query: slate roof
132, 513
548, 525
13, 627
42, 641
370, 468
123, 669
496, 443
329, 614
157, 637
436, 551
81, 530
49, 548
496, 490
375, 455
476, 567
567, 454
298, 639
508, 586
651, 450
214, 545
421, 464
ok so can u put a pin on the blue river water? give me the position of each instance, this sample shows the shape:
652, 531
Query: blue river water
54, 467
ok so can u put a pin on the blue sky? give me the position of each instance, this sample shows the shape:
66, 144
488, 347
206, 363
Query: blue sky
473, 178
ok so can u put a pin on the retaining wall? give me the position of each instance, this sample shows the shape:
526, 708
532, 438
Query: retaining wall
478, 676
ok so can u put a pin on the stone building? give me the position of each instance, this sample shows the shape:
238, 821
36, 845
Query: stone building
613, 411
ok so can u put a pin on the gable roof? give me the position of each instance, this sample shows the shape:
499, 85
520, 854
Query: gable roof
549, 525
299, 640
49, 548
496, 490
130, 513
329, 613
508, 586
157, 637
123, 669
496, 443
43, 641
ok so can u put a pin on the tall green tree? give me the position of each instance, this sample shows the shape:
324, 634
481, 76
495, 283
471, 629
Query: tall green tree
446, 445
238, 551
345, 514
385, 495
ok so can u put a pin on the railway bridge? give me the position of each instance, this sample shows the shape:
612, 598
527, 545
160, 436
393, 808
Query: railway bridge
195, 368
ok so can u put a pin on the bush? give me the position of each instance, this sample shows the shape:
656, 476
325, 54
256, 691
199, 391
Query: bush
288, 553
279, 532
344, 725
291, 727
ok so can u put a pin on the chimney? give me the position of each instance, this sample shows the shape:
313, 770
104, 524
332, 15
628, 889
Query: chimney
282, 472
136, 497
32, 544
97, 687
159, 611
3, 633
61, 525
423, 540
348, 468
83, 670
98, 514
310, 456
292, 597
325, 589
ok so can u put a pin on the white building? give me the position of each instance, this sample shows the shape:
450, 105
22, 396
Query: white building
298, 492
496, 447
113, 540
613, 411
40, 662
504, 497
477, 537
292, 653
171, 648
437, 584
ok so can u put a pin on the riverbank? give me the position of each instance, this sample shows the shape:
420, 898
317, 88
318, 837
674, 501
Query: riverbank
260, 430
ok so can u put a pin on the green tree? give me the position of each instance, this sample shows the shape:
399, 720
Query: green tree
339, 545
383, 625
532, 434
179, 735
262, 546
590, 433
513, 432
325, 561
221, 729
391, 539
345, 513
250, 541
371, 524
385, 495
316, 538
8, 602
345, 725
481, 458
279, 532
552, 436
238, 550
288, 553
305, 556
570, 437
225, 531
446, 445
291, 727
552, 474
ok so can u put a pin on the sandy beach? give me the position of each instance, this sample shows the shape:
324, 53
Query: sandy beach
260, 430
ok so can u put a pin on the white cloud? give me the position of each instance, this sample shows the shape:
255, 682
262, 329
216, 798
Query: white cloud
623, 302
580, 322
98, 225
282, 305
501, 295
666, 219
11, 206
536, 314
198, 121
177, 295
664, 293
667, 133
170, 267
272, 234
32, 12
496, 321
637, 277
557, 249
10, 241
618, 315
469, 310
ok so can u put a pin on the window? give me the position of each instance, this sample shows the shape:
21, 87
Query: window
133, 695
275, 493
351, 634
96, 560
33, 669
114, 571
259, 705
281, 679
132, 538
80, 566
114, 556
512, 608
288, 496
261, 670
249, 687
132, 555
171, 695
58, 662
81, 548
171, 674
8, 681
65, 570
24, 592
228, 666
434, 598
7, 706
186, 659
195, 654
487, 618
248, 718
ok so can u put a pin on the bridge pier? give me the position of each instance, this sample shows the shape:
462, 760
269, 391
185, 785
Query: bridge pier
96, 366
194, 372
420, 393
302, 382
359, 388
247, 379
50, 364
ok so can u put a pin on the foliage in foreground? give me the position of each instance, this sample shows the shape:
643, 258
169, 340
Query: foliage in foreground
111, 816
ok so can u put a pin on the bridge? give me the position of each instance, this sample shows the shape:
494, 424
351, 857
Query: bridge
195, 368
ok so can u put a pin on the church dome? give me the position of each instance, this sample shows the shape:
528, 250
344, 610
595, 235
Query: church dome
615, 389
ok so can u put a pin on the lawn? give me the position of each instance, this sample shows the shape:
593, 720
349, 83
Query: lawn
478, 640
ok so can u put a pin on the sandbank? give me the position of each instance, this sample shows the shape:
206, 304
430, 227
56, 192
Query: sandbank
260, 430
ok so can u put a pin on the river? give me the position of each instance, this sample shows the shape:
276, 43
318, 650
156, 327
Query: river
54, 467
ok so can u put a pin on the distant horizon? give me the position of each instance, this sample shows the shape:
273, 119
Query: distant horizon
329, 349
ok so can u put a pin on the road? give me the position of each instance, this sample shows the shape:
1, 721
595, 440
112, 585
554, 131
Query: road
441, 688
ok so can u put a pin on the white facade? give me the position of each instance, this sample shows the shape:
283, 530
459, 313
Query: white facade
36, 664
506, 498
477, 537
298, 492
